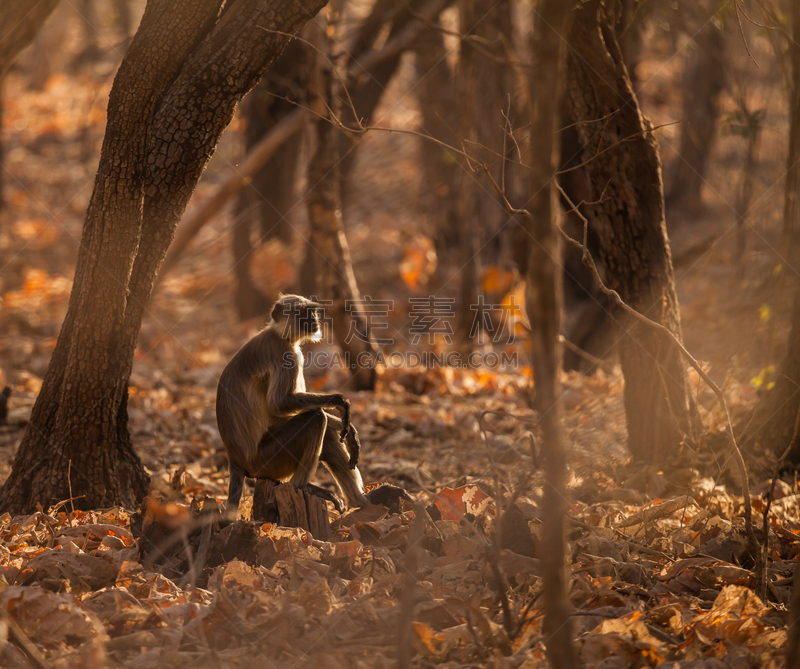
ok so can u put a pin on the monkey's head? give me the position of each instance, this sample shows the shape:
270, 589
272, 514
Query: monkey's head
297, 318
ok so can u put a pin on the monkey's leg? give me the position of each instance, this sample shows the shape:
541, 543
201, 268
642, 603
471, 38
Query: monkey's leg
337, 460
235, 486
292, 449
353, 442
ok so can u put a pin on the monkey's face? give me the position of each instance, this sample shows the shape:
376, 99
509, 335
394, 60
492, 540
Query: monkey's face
298, 318
310, 324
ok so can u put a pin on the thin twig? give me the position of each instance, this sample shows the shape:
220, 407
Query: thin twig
741, 32
55, 509
71, 496
584, 354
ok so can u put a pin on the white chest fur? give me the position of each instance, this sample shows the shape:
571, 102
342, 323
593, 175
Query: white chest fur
300, 381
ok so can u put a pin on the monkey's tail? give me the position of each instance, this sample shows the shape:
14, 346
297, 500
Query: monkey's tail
353, 448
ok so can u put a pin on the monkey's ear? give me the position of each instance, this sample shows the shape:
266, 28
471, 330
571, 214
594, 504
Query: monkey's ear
277, 311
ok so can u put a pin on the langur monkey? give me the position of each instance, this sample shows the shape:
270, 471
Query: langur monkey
271, 427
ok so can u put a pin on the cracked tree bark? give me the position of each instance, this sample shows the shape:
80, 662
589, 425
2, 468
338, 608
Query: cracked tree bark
624, 170
188, 66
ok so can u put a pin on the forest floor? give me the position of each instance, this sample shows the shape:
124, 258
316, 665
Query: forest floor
672, 584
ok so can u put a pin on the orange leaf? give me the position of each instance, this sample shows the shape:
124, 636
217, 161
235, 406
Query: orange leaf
455, 504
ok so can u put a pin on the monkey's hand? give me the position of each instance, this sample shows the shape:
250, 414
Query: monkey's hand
343, 404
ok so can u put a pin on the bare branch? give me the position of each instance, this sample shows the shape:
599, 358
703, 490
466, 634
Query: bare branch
741, 32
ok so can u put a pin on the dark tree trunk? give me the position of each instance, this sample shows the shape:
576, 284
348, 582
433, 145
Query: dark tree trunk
327, 271
483, 82
436, 93
161, 132
543, 302
624, 170
2, 149
267, 202
491, 89
751, 132
469, 186
791, 211
703, 81
587, 323
20, 20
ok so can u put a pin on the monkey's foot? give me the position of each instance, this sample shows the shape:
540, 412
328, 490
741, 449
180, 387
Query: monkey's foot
315, 490
389, 496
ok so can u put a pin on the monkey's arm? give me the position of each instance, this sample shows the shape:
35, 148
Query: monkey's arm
284, 401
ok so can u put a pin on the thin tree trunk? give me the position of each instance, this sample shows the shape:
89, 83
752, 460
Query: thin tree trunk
776, 411
437, 99
543, 303
752, 133
277, 95
792, 183
161, 132
269, 198
327, 271
2, 148
267, 202
469, 195
483, 83
624, 170
20, 20
586, 309
703, 81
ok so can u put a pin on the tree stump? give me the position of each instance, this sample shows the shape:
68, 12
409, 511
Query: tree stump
285, 505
